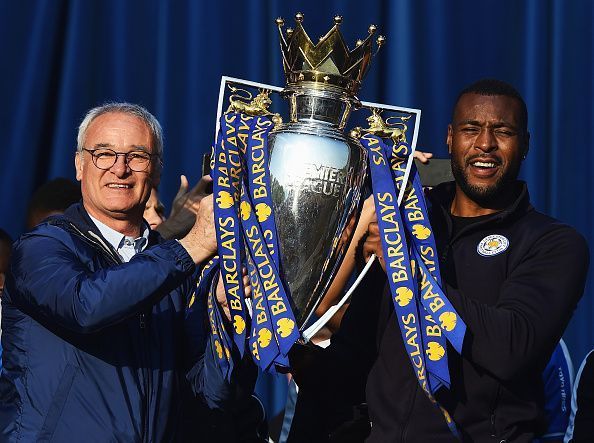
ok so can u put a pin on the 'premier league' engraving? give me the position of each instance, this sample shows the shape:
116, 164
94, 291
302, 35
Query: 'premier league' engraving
318, 179
325, 180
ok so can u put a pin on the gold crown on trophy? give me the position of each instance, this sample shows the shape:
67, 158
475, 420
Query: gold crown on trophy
329, 63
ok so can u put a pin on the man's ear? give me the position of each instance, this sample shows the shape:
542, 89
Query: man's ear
449, 138
78, 165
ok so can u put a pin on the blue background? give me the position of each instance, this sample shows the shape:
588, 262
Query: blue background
59, 58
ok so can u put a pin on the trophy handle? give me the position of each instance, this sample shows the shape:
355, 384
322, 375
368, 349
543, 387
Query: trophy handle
325, 318
413, 144
229, 82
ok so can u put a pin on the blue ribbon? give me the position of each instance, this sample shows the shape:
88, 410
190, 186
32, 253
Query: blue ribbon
433, 296
263, 344
262, 241
227, 177
412, 268
220, 341
420, 236
247, 237
279, 315
403, 284
259, 182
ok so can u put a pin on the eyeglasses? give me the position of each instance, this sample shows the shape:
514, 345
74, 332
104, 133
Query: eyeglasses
105, 158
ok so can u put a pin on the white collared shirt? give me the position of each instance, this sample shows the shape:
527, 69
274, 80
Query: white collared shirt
126, 247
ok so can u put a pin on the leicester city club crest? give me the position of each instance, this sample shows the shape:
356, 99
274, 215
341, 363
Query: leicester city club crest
492, 245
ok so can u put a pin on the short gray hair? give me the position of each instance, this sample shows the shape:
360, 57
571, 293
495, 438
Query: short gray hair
124, 108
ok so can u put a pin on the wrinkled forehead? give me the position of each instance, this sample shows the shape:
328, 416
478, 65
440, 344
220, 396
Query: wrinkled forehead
118, 130
488, 108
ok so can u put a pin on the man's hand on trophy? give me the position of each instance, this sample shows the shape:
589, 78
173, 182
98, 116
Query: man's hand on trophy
201, 240
373, 244
184, 208
222, 297
343, 241
423, 157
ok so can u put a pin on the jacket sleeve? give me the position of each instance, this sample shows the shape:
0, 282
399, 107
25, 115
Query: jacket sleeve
207, 380
535, 305
52, 281
557, 379
202, 371
581, 423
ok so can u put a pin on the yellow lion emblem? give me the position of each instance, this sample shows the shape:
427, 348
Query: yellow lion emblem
224, 200
245, 210
264, 337
263, 211
403, 296
435, 351
493, 244
238, 324
285, 327
421, 232
448, 320
219, 349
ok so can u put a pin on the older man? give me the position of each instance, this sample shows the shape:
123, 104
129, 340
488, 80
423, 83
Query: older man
98, 343
513, 275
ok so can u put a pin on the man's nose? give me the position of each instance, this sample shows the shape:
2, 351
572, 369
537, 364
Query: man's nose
120, 167
486, 140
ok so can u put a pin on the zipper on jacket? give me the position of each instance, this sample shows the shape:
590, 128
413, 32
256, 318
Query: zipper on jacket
147, 376
404, 433
145, 369
493, 432
98, 243
493, 409
444, 254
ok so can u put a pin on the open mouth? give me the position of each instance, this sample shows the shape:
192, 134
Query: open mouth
484, 164
119, 186
484, 167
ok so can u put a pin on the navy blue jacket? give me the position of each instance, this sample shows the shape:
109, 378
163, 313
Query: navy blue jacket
96, 349
516, 304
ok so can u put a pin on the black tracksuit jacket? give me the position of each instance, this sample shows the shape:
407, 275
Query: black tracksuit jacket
516, 305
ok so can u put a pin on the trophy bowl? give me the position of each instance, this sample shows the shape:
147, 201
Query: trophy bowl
317, 173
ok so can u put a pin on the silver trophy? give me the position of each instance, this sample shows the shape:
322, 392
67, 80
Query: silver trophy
317, 169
